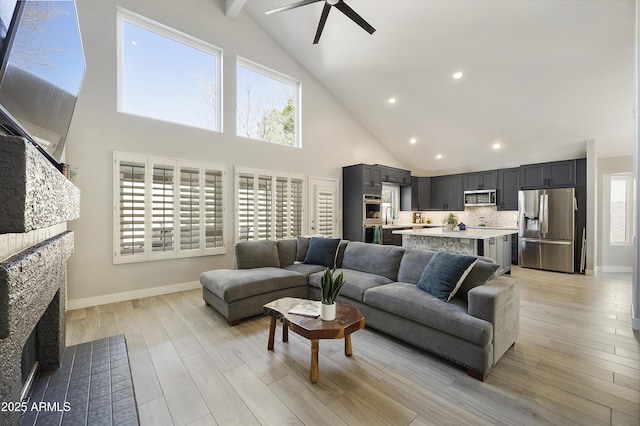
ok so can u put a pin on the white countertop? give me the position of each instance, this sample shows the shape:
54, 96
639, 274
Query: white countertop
410, 225
480, 233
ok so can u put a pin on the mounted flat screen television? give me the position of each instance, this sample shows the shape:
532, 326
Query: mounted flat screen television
41, 70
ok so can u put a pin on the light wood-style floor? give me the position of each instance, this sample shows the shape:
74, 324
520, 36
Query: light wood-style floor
576, 362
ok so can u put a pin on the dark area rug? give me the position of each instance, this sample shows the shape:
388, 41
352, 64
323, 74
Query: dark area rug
92, 387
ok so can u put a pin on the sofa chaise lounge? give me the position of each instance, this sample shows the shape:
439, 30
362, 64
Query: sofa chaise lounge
473, 329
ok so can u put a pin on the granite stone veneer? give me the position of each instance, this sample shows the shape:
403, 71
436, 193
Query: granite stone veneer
32, 292
33, 192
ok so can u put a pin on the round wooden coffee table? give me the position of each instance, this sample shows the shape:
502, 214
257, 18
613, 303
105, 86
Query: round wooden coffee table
348, 319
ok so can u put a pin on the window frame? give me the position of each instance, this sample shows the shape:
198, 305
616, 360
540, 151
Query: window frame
148, 254
629, 202
283, 78
179, 37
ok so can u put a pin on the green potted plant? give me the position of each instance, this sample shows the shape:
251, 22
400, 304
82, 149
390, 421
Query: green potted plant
330, 285
450, 221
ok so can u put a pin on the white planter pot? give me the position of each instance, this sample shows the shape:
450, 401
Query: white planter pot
327, 312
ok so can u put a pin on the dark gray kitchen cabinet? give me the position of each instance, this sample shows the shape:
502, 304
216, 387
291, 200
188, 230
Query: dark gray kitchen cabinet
394, 175
507, 189
420, 193
545, 175
372, 180
479, 180
446, 193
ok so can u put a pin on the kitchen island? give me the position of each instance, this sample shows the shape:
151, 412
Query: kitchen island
492, 243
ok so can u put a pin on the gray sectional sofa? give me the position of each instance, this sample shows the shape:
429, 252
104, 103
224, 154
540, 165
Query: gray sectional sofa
474, 329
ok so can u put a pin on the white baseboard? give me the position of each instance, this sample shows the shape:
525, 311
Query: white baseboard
130, 295
623, 269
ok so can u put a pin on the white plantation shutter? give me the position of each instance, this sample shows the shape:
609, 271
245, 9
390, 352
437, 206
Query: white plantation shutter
245, 206
214, 208
281, 225
189, 208
325, 205
131, 208
164, 208
269, 205
295, 210
264, 206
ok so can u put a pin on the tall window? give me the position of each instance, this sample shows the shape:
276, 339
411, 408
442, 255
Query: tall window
621, 210
166, 208
268, 106
167, 75
390, 202
268, 205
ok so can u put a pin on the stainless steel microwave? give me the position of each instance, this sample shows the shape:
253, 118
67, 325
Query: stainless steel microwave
483, 197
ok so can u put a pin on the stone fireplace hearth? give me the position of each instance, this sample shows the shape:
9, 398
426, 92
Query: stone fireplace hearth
36, 201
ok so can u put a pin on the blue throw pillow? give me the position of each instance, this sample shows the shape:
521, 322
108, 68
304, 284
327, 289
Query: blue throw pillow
322, 251
445, 273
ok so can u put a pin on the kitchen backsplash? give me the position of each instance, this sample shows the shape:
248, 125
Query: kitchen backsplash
471, 216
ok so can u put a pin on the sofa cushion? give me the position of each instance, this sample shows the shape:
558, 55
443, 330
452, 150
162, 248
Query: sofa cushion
305, 269
444, 274
322, 251
480, 273
373, 258
256, 254
408, 301
230, 285
412, 265
356, 283
287, 251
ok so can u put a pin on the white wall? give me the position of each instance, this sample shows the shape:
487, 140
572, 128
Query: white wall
331, 139
611, 258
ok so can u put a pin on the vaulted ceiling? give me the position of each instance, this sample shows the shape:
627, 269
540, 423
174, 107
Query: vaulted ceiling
539, 77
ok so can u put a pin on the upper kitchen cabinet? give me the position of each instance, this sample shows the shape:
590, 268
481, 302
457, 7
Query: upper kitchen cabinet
372, 179
480, 180
446, 193
361, 179
544, 175
420, 193
394, 175
508, 185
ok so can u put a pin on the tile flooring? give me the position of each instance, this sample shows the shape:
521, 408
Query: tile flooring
92, 387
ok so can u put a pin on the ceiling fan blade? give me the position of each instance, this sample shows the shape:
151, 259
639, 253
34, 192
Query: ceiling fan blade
291, 6
342, 6
323, 20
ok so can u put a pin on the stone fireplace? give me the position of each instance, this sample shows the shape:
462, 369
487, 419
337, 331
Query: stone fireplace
36, 201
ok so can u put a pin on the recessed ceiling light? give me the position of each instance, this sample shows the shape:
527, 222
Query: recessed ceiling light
413, 140
392, 100
497, 145
439, 156
457, 75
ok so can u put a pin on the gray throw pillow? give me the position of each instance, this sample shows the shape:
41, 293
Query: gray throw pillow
480, 273
444, 274
322, 251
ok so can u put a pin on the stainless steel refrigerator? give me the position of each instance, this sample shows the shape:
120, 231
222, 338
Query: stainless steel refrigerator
546, 234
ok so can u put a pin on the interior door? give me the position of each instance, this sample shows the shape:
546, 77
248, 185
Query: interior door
323, 207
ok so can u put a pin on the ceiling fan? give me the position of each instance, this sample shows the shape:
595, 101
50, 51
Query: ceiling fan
338, 4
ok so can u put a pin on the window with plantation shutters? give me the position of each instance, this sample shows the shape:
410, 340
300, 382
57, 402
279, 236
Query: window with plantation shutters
131, 208
167, 208
189, 208
245, 215
214, 209
162, 209
268, 205
295, 207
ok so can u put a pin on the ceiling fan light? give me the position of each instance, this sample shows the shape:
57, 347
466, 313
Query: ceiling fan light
333, 2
